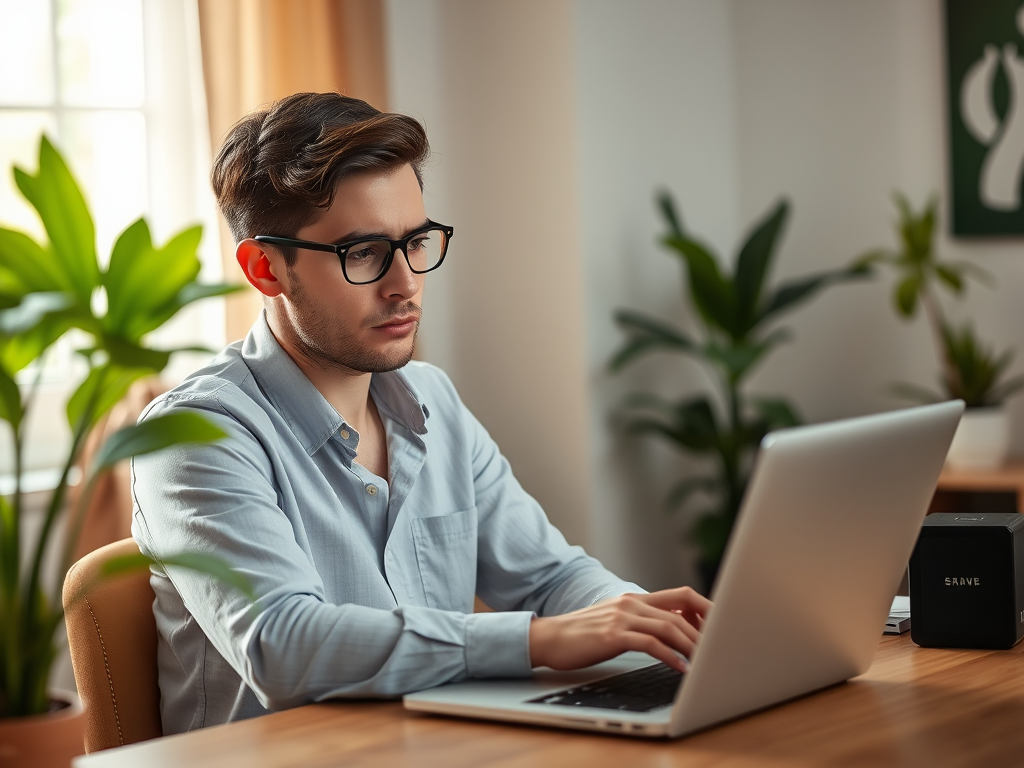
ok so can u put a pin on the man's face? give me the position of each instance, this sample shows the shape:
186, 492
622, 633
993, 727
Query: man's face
356, 328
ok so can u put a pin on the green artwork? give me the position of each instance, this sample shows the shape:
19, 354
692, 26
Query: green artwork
985, 59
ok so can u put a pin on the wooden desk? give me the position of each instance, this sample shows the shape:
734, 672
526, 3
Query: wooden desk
1008, 479
913, 707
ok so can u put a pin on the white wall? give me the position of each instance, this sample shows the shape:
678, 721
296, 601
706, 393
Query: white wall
573, 114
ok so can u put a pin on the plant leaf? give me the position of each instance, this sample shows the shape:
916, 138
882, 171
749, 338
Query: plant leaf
10, 400
776, 412
32, 310
753, 263
877, 256
646, 335
671, 216
155, 434
184, 297
127, 354
102, 388
907, 292
713, 296
950, 275
31, 265
58, 200
195, 561
738, 359
791, 293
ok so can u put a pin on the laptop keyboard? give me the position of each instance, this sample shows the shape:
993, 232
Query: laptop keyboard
639, 690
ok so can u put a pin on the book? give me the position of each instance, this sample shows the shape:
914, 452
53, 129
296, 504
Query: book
899, 616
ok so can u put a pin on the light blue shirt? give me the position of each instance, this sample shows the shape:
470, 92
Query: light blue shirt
364, 587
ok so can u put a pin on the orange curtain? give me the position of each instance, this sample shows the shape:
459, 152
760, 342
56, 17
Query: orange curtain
256, 51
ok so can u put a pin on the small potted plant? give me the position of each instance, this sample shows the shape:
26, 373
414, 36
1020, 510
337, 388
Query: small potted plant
969, 370
736, 314
47, 289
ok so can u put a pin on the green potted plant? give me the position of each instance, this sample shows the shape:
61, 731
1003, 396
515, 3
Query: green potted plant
969, 370
47, 289
735, 315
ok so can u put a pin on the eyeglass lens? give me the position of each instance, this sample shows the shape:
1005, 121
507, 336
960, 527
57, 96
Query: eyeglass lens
365, 262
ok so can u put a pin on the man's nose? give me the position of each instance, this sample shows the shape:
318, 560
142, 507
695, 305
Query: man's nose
399, 279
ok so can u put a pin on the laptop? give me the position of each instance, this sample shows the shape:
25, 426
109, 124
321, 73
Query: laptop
828, 524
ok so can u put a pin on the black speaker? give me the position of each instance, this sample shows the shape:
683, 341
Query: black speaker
967, 581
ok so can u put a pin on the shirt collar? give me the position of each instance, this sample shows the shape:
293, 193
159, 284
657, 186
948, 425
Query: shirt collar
310, 416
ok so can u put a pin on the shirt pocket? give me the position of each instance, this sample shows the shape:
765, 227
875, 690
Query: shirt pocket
446, 556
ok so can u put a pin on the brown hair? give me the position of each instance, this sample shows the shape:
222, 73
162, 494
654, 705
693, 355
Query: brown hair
279, 166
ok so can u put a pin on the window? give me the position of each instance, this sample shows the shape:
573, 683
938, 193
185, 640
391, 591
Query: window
117, 84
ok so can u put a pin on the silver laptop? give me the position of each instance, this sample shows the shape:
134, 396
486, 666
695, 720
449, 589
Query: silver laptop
827, 527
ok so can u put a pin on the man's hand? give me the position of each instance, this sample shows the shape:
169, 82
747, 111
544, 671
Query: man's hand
661, 624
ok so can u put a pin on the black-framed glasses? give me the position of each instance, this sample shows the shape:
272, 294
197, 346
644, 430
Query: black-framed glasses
368, 259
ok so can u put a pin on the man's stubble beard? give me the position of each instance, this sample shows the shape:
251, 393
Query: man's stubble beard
328, 345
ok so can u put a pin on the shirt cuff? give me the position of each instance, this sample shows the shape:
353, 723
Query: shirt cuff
498, 644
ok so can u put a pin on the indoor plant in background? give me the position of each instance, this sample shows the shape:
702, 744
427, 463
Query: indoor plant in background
735, 315
969, 370
47, 289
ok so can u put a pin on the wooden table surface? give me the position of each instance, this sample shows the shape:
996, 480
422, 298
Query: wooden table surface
914, 707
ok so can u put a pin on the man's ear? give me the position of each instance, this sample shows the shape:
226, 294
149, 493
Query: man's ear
256, 265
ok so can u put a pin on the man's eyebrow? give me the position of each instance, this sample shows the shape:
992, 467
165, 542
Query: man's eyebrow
359, 234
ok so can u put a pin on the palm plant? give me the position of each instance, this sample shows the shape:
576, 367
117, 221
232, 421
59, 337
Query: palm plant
47, 289
970, 371
735, 313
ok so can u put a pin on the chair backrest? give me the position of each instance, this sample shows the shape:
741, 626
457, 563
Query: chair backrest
112, 637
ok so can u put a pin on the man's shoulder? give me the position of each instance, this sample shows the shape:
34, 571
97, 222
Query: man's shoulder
223, 385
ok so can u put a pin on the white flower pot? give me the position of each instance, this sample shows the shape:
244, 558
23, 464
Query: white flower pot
982, 440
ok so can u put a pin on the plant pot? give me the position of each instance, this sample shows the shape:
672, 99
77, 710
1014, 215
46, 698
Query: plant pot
982, 440
44, 741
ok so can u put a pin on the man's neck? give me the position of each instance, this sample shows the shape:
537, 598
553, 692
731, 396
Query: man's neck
346, 390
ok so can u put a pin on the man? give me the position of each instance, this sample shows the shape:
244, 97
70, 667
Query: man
359, 495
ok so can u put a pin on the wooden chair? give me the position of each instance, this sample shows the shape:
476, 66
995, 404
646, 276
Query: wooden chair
112, 636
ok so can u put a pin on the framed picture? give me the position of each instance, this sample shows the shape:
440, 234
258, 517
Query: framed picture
985, 75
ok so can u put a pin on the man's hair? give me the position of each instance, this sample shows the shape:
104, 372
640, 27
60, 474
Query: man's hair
279, 166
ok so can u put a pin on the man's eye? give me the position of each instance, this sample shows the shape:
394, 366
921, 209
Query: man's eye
365, 252
419, 242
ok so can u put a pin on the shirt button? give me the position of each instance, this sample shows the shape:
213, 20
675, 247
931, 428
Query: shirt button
344, 434
372, 490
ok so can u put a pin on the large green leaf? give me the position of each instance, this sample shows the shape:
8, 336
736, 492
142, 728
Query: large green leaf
133, 272
102, 388
32, 266
18, 351
906, 294
753, 263
58, 200
190, 293
32, 310
155, 434
142, 281
789, 294
668, 210
195, 561
647, 335
127, 354
713, 295
777, 412
691, 423
738, 359
10, 400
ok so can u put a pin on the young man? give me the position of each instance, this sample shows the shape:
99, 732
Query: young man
359, 495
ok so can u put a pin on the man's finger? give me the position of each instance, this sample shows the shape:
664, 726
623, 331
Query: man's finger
639, 641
